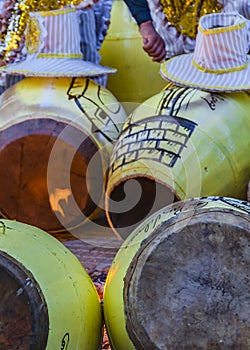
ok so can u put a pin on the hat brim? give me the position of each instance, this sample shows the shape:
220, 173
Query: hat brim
181, 71
46, 67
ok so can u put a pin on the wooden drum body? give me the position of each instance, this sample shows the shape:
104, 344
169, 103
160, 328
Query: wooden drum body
48, 301
180, 143
56, 137
181, 279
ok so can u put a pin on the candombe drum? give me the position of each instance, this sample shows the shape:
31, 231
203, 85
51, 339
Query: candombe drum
178, 144
56, 137
48, 300
181, 279
137, 77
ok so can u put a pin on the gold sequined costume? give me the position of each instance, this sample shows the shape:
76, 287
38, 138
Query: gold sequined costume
176, 21
185, 14
17, 12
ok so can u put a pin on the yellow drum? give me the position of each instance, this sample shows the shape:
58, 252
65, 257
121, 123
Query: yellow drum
138, 78
56, 138
48, 300
178, 144
181, 279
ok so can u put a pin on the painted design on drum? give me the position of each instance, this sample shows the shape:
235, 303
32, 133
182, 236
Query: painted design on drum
155, 220
160, 138
178, 208
101, 119
65, 342
236, 204
213, 100
3, 227
173, 98
170, 102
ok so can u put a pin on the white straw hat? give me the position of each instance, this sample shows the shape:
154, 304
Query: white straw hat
220, 61
53, 48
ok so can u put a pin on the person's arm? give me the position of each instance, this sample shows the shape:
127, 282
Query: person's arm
139, 10
153, 43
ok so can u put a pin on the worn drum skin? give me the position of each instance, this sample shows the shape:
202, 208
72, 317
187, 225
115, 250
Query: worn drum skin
181, 279
178, 144
48, 301
56, 138
138, 77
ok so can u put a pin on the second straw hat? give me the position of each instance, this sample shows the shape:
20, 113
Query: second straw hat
220, 61
53, 48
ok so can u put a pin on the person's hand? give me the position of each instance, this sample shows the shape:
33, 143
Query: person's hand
153, 43
86, 4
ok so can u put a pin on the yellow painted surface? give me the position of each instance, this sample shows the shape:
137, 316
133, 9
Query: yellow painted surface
114, 316
138, 78
72, 300
78, 102
194, 142
82, 102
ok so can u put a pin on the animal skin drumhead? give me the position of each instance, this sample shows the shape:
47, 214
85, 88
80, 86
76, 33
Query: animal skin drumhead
187, 287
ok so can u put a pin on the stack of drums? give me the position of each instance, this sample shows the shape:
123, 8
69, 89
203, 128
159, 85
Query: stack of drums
56, 137
181, 279
137, 77
178, 144
48, 300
